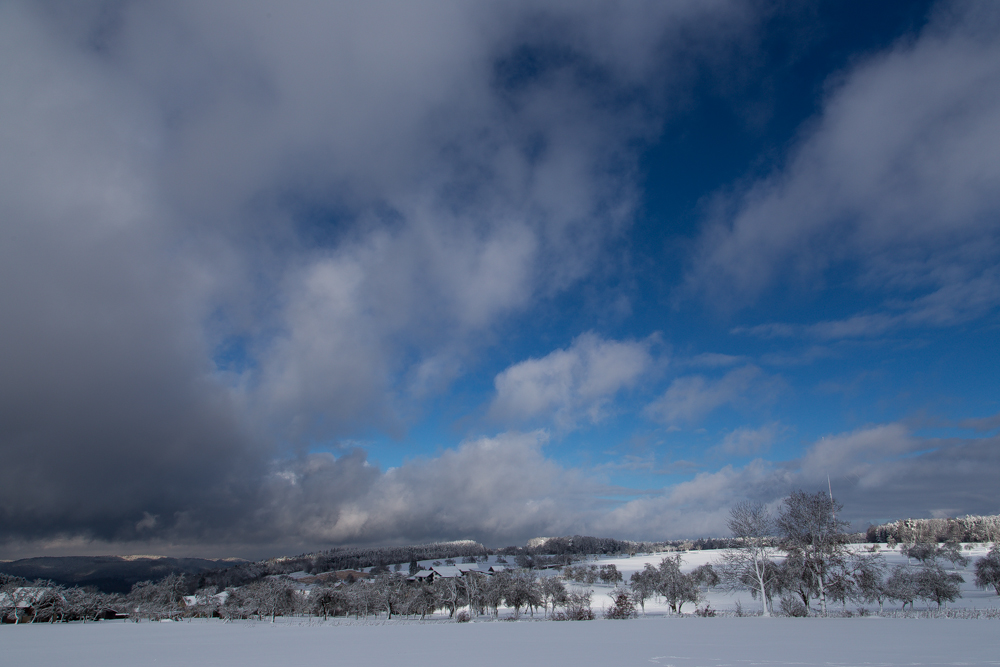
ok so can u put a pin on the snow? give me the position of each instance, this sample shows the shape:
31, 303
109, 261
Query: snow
677, 641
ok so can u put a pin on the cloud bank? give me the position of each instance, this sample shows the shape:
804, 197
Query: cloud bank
237, 233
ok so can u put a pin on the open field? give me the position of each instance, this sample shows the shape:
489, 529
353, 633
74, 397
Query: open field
681, 642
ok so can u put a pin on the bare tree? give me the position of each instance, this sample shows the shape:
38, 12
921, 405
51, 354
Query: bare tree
749, 564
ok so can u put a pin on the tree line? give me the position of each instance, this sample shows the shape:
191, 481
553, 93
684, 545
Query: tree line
971, 528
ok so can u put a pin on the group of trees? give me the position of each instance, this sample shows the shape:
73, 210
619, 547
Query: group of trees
971, 528
23, 601
392, 594
668, 582
818, 565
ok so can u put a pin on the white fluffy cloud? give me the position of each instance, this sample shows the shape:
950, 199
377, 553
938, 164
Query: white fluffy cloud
567, 386
898, 177
691, 397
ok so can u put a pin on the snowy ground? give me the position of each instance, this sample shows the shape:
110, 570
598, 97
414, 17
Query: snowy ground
678, 641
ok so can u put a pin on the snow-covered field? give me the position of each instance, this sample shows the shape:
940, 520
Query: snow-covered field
679, 641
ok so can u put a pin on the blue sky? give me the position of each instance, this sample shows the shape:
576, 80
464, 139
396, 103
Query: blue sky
281, 277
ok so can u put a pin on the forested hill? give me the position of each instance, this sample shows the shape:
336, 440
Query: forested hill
111, 574
343, 558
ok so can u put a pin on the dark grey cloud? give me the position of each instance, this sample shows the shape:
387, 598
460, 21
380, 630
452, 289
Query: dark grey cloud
339, 199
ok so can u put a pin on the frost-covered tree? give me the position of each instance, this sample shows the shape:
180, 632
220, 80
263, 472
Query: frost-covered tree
675, 586
271, 596
577, 607
623, 605
609, 574
988, 570
422, 601
644, 584
89, 604
748, 563
519, 589
901, 586
809, 527
937, 584
705, 575
327, 601
157, 598
553, 592
869, 579
450, 594
492, 593
930, 553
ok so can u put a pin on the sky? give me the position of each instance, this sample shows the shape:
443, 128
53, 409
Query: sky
278, 277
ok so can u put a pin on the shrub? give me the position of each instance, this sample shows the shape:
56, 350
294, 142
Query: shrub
577, 608
623, 608
462, 617
705, 612
792, 606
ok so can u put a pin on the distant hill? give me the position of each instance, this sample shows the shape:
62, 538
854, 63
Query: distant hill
111, 574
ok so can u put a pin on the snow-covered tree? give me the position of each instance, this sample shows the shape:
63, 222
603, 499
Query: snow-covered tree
988, 570
644, 584
809, 526
553, 592
609, 574
675, 586
937, 584
748, 564
327, 601
901, 586
869, 579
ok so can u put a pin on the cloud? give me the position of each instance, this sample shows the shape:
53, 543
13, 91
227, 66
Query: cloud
571, 385
982, 424
500, 489
348, 199
897, 177
692, 397
880, 473
747, 441
504, 489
